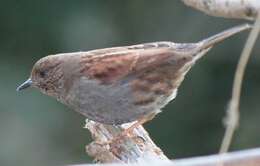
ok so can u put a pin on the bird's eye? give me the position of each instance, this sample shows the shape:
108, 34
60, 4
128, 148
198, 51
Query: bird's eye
43, 74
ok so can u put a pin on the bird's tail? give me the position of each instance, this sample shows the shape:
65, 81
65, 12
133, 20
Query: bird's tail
209, 42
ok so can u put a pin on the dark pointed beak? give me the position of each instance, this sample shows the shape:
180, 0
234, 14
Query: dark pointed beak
24, 85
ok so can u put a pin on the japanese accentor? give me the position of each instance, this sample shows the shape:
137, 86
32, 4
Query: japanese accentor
120, 84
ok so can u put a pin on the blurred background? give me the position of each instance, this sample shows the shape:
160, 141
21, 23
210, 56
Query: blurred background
37, 130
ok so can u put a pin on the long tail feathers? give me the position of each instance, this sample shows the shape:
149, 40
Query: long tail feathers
209, 42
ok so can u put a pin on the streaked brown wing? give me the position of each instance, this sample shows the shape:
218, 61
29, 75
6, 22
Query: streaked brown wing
112, 64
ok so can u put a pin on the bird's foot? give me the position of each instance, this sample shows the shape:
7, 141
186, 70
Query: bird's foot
127, 133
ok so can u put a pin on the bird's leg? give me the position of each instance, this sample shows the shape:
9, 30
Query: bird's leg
139, 122
129, 131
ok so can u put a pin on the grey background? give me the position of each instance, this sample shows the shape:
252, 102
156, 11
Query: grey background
37, 130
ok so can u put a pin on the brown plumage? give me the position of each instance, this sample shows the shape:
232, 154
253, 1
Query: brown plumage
121, 84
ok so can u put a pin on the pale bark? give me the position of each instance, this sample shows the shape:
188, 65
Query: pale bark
126, 149
242, 9
240, 158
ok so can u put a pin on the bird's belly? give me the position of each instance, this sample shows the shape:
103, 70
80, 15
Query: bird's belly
109, 104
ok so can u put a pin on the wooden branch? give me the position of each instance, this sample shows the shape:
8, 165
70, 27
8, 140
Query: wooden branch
240, 158
124, 150
245, 9
241, 9
232, 117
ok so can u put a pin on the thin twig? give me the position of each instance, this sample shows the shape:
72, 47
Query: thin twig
232, 118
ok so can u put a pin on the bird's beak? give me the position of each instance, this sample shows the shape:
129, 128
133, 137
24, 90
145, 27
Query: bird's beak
25, 85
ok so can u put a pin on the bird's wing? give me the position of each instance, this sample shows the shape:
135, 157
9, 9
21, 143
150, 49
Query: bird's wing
112, 64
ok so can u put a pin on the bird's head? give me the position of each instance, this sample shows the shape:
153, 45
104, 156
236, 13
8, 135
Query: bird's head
46, 76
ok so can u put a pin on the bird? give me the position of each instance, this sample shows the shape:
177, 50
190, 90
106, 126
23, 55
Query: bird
124, 84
